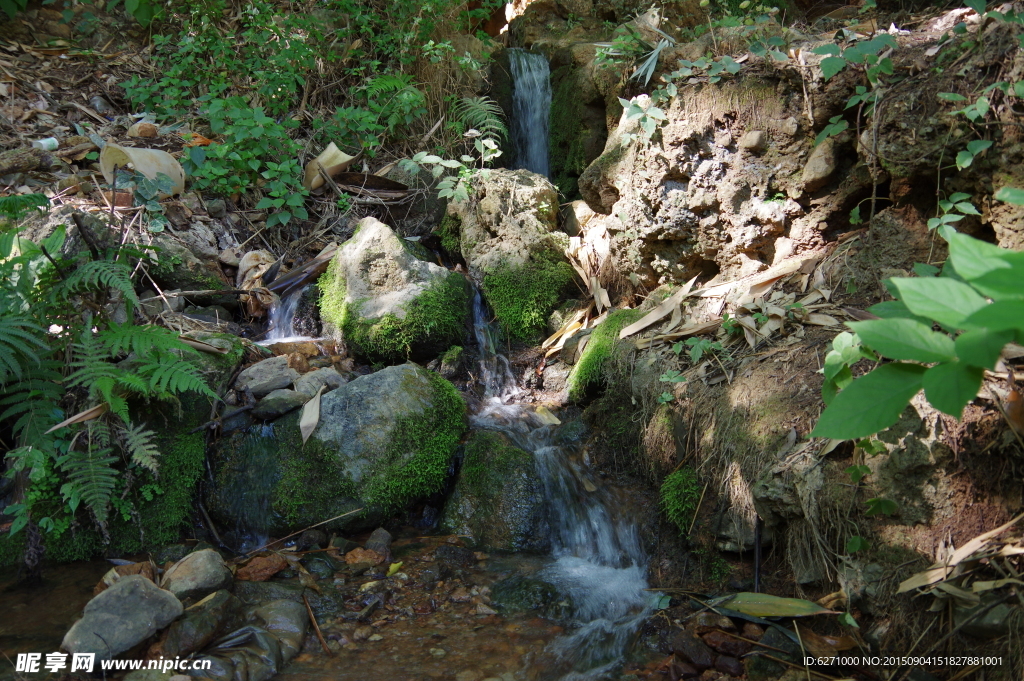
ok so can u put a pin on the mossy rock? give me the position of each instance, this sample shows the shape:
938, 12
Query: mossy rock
498, 498
589, 371
383, 441
519, 594
388, 302
523, 296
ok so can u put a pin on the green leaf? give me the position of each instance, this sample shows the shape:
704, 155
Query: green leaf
944, 300
923, 270
972, 257
951, 385
830, 66
858, 473
855, 544
951, 97
981, 347
765, 605
830, 48
1011, 195
846, 619
964, 159
894, 309
905, 339
967, 208
1003, 315
883, 506
978, 146
871, 403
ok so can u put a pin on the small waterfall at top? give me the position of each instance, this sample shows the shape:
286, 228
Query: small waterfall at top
598, 558
282, 317
531, 103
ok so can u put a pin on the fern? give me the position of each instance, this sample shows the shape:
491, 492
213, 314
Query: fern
482, 114
103, 274
173, 375
15, 207
142, 340
137, 442
33, 401
91, 476
20, 341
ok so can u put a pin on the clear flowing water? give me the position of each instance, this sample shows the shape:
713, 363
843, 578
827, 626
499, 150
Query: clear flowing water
531, 104
281, 319
598, 558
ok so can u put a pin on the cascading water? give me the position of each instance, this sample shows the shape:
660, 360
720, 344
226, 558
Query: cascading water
282, 317
531, 103
599, 562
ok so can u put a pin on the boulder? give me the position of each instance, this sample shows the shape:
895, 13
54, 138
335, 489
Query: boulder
509, 238
387, 302
328, 377
178, 267
383, 440
127, 613
820, 165
498, 500
287, 621
201, 624
279, 402
197, 574
267, 376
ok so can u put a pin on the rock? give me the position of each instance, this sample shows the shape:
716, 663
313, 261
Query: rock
287, 621
127, 613
788, 126
201, 240
362, 633
216, 208
201, 624
709, 621
264, 377
725, 644
556, 377
152, 304
498, 498
752, 631
820, 165
170, 554
518, 594
178, 268
383, 440
387, 302
452, 362
380, 543
729, 665
509, 238
197, 575
684, 670
573, 348
320, 566
361, 556
149, 675
755, 141
254, 593
454, 556
690, 647
278, 403
328, 377
230, 256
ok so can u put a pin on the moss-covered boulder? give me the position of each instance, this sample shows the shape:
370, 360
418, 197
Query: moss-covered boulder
508, 236
589, 370
388, 302
383, 440
498, 499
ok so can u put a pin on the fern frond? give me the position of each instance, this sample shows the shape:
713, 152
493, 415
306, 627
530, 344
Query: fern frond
388, 82
137, 441
34, 401
21, 339
103, 274
91, 477
99, 433
15, 207
174, 376
92, 368
125, 338
483, 114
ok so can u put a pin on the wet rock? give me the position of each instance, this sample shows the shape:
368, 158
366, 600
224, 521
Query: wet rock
380, 543
454, 556
691, 648
709, 621
519, 594
287, 621
683, 670
170, 554
752, 631
328, 377
261, 592
178, 267
127, 613
311, 539
387, 302
498, 498
197, 574
278, 403
556, 377
729, 665
573, 348
321, 567
201, 623
754, 140
216, 208
149, 675
820, 165
153, 304
452, 362
264, 377
726, 644
248, 654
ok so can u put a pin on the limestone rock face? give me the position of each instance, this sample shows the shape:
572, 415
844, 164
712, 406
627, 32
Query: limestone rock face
383, 440
498, 499
127, 613
387, 302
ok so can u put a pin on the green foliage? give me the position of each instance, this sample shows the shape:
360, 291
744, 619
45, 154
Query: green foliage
649, 117
449, 232
590, 370
855, 544
523, 297
680, 495
978, 301
455, 186
482, 114
835, 126
698, 348
17, 206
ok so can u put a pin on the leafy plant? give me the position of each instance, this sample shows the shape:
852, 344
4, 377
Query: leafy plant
649, 116
698, 348
978, 303
482, 114
680, 495
835, 126
953, 209
672, 376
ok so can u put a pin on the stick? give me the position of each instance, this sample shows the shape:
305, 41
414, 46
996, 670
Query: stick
217, 421
209, 522
316, 627
322, 522
803, 650
697, 510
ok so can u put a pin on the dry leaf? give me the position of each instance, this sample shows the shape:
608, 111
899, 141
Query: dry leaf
310, 415
818, 319
659, 312
81, 417
261, 568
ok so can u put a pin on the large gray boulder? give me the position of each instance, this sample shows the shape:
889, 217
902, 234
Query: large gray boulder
267, 376
498, 499
197, 574
127, 613
383, 440
387, 302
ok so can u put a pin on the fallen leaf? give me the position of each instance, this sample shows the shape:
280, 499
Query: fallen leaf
81, 417
310, 415
261, 568
818, 319
766, 605
659, 312
361, 555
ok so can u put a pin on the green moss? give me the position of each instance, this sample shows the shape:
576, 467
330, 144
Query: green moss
452, 355
523, 297
450, 233
489, 461
568, 135
590, 369
436, 318
680, 495
415, 463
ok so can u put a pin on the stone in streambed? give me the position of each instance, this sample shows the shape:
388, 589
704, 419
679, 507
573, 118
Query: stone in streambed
690, 647
197, 574
328, 377
267, 376
279, 403
202, 623
127, 613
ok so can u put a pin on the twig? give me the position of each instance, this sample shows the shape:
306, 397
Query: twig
322, 522
751, 641
796, 666
209, 523
799, 638
697, 510
316, 627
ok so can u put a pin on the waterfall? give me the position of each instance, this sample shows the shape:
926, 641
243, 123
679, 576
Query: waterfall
531, 105
598, 558
282, 316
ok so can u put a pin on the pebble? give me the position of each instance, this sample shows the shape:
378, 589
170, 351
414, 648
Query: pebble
468, 675
376, 637
438, 652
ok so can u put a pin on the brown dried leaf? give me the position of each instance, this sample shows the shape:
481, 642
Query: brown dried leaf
261, 568
361, 555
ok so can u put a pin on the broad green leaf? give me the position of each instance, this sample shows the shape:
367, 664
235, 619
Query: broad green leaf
871, 403
830, 66
1011, 194
946, 301
848, 620
879, 505
959, 196
905, 339
830, 48
978, 146
765, 605
1004, 283
972, 257
858, 473
855, 544
952, 97
967, 208
923, 270
951, 385
964, 159
895, 309
981, 347
1000, 316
